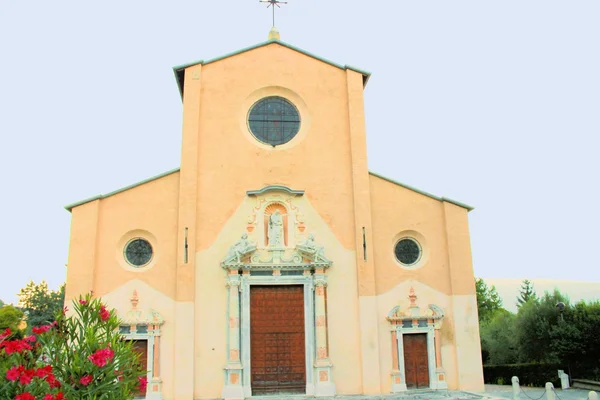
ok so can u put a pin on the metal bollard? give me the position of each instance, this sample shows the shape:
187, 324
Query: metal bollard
515, 387
592, 395
550, 391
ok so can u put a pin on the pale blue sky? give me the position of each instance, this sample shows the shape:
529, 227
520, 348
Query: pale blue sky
502, 99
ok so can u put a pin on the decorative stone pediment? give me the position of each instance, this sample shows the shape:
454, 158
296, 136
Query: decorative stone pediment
136, 316
306, 255
432, 313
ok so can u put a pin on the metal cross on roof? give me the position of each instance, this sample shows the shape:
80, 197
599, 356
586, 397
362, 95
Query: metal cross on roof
273, 3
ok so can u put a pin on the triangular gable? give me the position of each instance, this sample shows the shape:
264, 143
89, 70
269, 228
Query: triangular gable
180, 69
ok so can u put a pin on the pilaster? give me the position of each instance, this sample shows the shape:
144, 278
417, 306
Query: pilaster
363, 236
233, 389
186, 243
324, 385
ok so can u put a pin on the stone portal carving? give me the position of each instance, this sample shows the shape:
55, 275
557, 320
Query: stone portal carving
275, 233
415, 319
240, 249
310, 249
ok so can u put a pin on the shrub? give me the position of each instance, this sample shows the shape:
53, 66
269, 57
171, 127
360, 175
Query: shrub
529, 374
81, 357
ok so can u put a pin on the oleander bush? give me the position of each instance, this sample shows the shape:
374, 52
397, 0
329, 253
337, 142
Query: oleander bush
77, 357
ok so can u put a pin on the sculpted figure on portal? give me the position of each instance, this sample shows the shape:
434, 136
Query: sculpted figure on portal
275, 233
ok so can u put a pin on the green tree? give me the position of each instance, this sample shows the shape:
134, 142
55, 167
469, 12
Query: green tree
498, 344
10, 318
1, 303
488, 300
526, 293
540, 324
40, 303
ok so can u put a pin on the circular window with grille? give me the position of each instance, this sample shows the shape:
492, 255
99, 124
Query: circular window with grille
138, 252
407, 251
274, 120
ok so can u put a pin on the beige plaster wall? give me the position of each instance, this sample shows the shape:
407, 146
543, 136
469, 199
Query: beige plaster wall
396, 212
211, 296
101, 229
444, 276
468, 344
318, 160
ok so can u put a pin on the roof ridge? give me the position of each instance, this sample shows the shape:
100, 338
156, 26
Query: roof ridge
424, 193
70, 207
179, 76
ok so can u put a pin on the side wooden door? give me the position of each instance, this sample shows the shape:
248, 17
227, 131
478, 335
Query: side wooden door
416, 364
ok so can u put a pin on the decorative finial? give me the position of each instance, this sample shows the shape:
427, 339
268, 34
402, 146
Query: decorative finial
134, 299
274, 32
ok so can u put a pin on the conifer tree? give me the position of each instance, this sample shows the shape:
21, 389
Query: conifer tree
526, 293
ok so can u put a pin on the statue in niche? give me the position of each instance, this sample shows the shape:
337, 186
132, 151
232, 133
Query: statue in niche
312, 249
275, 233
240, 249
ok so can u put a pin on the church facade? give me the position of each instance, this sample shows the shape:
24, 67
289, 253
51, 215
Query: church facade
272, 261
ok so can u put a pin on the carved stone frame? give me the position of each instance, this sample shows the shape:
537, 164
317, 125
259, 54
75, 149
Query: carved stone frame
433, 317
309, 273
152, 320
152, 337
309, 324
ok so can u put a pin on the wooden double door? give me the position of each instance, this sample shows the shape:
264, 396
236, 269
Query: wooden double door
277, 348
416, 364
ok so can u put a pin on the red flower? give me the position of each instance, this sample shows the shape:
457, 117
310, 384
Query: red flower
101, 357
38, 330
44, 371
5, 334
29, 339
52, 381
59, 396
25, 396
48, 397
26, 377
15, 346
86, 380
82, 302
104, 313
14, 373
143, 381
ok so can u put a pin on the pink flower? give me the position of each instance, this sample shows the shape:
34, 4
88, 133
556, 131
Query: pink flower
82, 302
101, 357
38, 330
86, 380
143, 381
104, 313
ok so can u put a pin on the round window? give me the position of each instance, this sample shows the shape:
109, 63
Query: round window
138, 252
407, 251
274, 120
